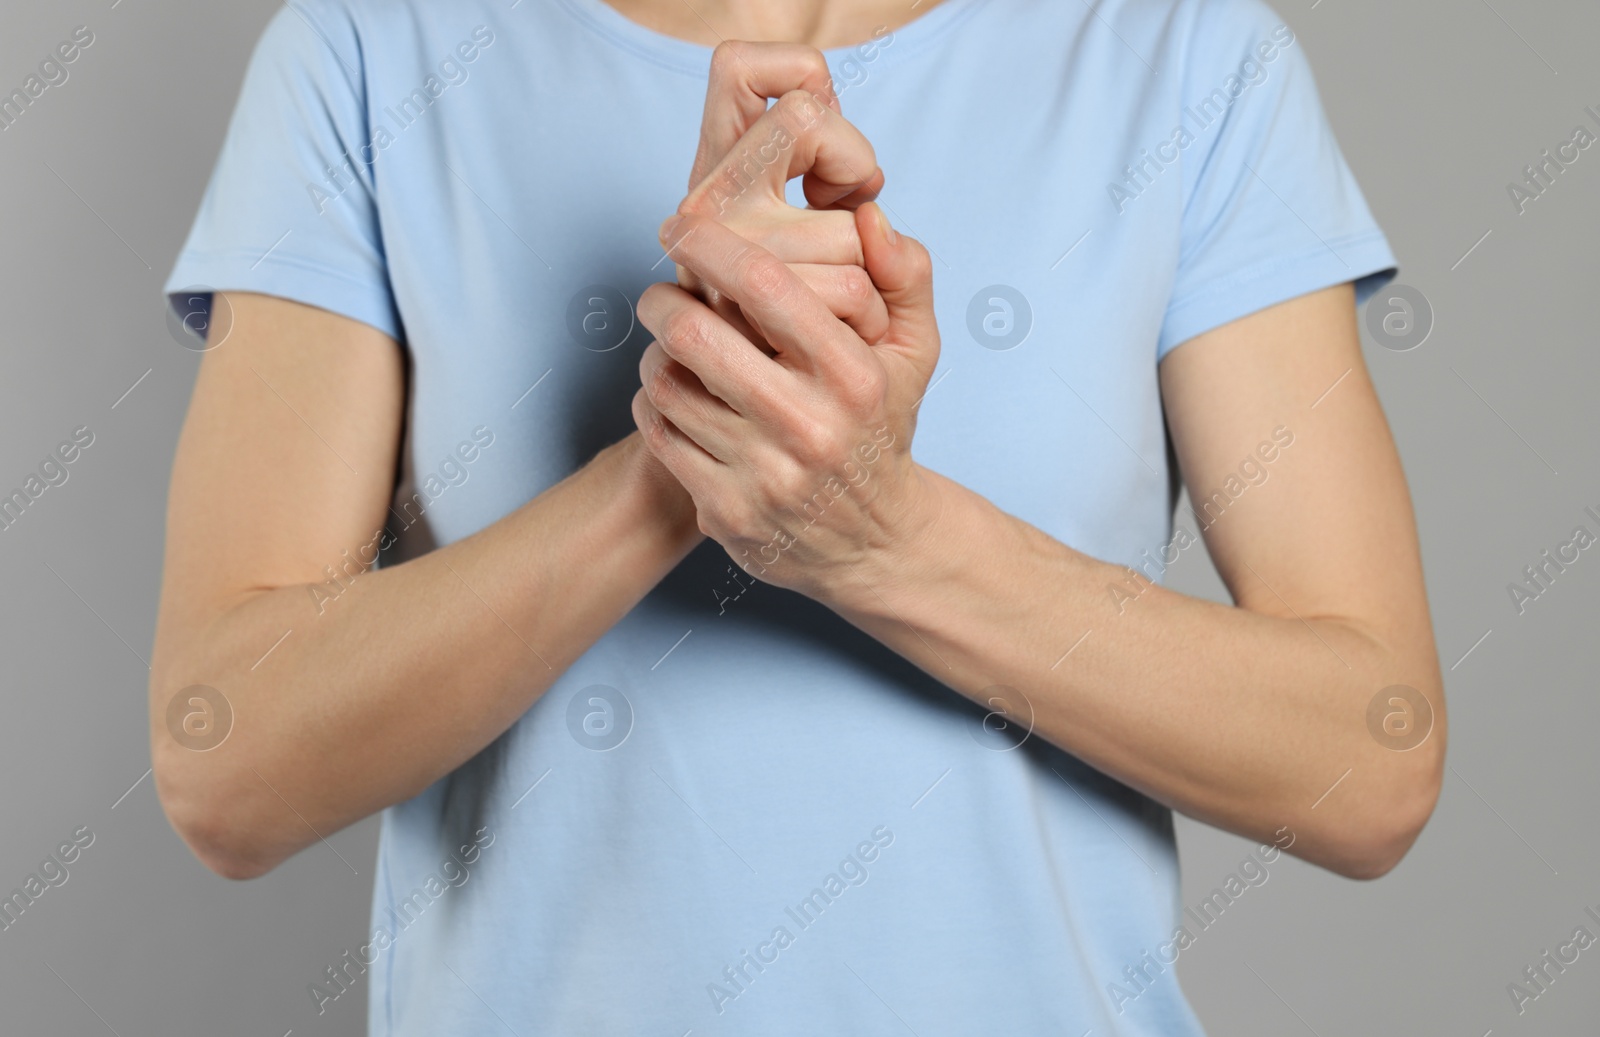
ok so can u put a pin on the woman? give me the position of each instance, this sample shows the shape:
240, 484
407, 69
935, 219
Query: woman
692, 701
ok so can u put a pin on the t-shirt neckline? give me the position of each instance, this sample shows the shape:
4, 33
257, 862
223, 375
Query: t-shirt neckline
695, 58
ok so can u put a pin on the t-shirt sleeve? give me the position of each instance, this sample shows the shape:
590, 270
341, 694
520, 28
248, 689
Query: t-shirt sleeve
1270, 209
290, 210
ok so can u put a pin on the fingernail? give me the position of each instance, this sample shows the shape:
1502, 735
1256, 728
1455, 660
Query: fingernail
669, 226
889, 233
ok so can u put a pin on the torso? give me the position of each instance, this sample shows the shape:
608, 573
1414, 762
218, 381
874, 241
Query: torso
769, 739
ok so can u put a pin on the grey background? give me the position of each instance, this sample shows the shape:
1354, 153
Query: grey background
1438, 107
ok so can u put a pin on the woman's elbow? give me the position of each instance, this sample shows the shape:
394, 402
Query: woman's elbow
225, 854
220, 834
1379, 839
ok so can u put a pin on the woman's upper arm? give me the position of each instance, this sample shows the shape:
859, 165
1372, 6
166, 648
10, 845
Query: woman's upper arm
286, 459
1294, 478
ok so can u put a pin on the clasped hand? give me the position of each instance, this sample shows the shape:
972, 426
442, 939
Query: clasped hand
789, 360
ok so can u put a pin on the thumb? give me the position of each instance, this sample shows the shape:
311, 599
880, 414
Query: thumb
902, 271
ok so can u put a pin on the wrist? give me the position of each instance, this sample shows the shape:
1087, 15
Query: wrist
661, 499
908, 552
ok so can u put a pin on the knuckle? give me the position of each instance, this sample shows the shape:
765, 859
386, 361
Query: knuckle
855, 288
865, 387
685, 334
763, 276
650, 424
815, 446
788, 487
656, 434
738, 520
728, 57
661, 385
698, 203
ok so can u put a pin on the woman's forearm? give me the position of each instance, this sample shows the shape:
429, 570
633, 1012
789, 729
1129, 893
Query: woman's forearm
412, 669
1241, 719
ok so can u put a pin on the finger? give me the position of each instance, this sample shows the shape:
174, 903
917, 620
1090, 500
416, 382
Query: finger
902, 270
776, 302
819, 198
849, 294
802, 235
730, 366
689, 464
798, 134
744, 77
847, 291
794, 236
678, 394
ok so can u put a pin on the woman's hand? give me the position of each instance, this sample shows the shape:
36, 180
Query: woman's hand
799, 463
749, 152
744, 77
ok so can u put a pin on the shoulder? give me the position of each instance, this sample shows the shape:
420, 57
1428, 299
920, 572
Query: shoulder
358, 24
1224, 18
363, 42
1169, 34
1218, 33
1219, 50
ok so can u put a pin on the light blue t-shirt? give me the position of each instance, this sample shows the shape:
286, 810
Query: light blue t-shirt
800, 833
